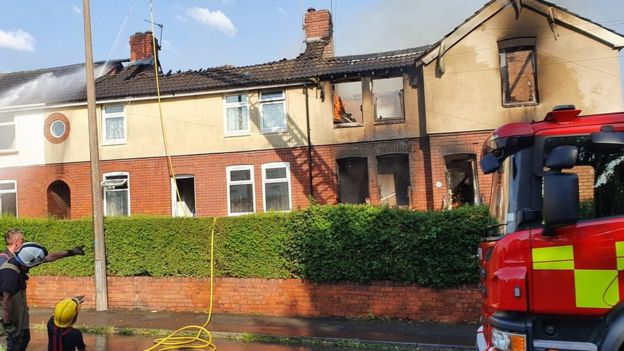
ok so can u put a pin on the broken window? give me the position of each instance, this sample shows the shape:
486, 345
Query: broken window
272, 111
59, 200
7, 133
8, 198
276, 181
518, 71
461, 180
353, 180
116, 194
393, 177
236, 115
388, 97
183, 196
114, 121
241, 198
347, 102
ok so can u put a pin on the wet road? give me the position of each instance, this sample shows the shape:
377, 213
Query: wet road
39, 342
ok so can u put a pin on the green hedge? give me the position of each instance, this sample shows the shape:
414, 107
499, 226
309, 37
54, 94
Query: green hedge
319, 243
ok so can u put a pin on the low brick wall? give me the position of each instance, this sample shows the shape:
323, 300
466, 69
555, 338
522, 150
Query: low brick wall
278, 297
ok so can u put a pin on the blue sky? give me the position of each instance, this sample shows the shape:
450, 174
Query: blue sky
207, 33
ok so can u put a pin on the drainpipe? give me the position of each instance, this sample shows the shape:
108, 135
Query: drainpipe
307, 105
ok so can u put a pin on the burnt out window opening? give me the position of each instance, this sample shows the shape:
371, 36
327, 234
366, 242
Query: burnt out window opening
601, 176
353, 180
116, 194
241, 194
461, 180
393, 177
389, 98
59, 200
236, 115
518, 67
7, 132
347, 103
183, 196
8, 198
276, 186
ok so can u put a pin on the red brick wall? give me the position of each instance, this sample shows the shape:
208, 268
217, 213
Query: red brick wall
289, 297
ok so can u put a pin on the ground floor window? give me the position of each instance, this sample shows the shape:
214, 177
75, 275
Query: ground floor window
353, 180
183, 196
116, 194
393, 177
59, 200
241, 198
461, 180
8, 197
276, 186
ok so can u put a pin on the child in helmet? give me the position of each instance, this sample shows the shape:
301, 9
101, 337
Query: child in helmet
61, 334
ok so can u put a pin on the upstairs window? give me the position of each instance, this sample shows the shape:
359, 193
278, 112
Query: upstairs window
518, 72
7, 133
241, 196
8, 198
276, 181
114, 121
236, 115
272, 111
388, 95
347, 102
116, 194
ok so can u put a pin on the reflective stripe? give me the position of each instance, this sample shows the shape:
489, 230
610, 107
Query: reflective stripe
596, 288
555, 258
619, 253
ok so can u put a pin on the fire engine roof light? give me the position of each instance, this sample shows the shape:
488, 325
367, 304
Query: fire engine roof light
562, 114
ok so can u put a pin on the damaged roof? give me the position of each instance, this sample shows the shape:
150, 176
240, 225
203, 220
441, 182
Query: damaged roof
138, 80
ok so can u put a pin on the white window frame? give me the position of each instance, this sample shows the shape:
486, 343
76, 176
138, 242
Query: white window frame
105, 117
227, 105
174, 194
9, 124
281, 180
228, 171
115, 182
14, 182
272, 101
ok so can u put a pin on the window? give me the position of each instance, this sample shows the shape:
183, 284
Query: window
236, 115
7, 133
347, 101
8, 197
388, 95
116, 194
114, 125
272, 111
183, 196
461, 180
518, 72
393, 177
276, 186
353, 180
241, 196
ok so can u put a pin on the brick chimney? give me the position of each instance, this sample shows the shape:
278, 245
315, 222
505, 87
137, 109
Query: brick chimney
319, 28
141, 49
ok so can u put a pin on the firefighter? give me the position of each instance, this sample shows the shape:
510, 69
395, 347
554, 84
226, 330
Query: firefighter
61, 334
14, 329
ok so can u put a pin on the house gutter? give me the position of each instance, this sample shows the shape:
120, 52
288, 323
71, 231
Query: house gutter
307, 107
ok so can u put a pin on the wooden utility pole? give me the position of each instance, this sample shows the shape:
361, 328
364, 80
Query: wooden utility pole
101, 290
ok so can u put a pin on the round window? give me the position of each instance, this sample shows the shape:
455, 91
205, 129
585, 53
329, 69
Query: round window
58, 128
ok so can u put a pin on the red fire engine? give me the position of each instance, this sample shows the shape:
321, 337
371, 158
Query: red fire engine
552, 267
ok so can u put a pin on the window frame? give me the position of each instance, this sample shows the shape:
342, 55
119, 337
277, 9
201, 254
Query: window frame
334, 92
229, 182
511, 46
106, 116
103, 184
14, 182
227, 105
276, 165
174, 194
10, 124
272, 101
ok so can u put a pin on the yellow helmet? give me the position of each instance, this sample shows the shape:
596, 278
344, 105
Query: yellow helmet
66, 312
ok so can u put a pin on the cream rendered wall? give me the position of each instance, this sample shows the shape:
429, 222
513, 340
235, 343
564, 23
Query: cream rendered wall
29, 141
572, 69
76, 147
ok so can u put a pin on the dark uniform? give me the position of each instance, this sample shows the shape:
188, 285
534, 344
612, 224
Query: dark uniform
64, 339
13, 281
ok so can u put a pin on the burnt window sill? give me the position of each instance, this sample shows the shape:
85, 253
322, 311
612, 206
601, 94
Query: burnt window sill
348, 125
519, 104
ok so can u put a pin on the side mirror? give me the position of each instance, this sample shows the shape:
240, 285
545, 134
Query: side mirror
489, 163
561, 190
